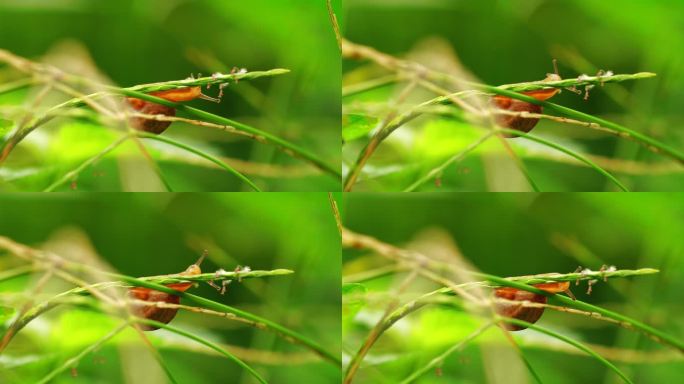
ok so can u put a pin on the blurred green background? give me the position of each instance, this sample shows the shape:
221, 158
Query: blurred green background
152, 234
502, 42
133, 42
523, 234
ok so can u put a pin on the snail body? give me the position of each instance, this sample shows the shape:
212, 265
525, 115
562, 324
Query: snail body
149, 108
519, 123
521, 312
152, 312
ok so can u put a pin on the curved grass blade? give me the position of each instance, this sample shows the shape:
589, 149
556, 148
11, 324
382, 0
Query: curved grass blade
529, 367
519, 163
369, 85
437, 361
570, 341
16, 272
567, 152
453, 159
204, 341
160, 360
69, 363
16, 85
201, 154
71, 174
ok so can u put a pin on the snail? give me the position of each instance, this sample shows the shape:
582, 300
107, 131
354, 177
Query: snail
163, 315
519, 123
150, 108
519, 311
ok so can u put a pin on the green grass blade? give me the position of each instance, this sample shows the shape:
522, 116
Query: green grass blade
624, 131
520, 164
202, 81
200, 153
437, 361
369, 85
567, 152
576, 82
529, 367
16, 85
570, 341
162, 363
453, 159
203, 341
71, 174
69, 363
16, 272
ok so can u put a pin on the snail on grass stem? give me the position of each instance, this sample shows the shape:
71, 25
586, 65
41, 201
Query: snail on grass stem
519, 123
162, 315
150, 108
510, 307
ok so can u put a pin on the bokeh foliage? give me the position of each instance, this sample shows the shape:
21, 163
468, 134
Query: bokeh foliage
134, 42
152, 234
502, 42
523, 234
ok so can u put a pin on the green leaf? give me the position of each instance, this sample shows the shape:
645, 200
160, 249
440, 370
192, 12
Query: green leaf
353, 300
355, 126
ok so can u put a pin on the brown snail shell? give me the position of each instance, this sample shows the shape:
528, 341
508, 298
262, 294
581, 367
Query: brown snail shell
151, 312
150, 108
519, 311
519, 123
